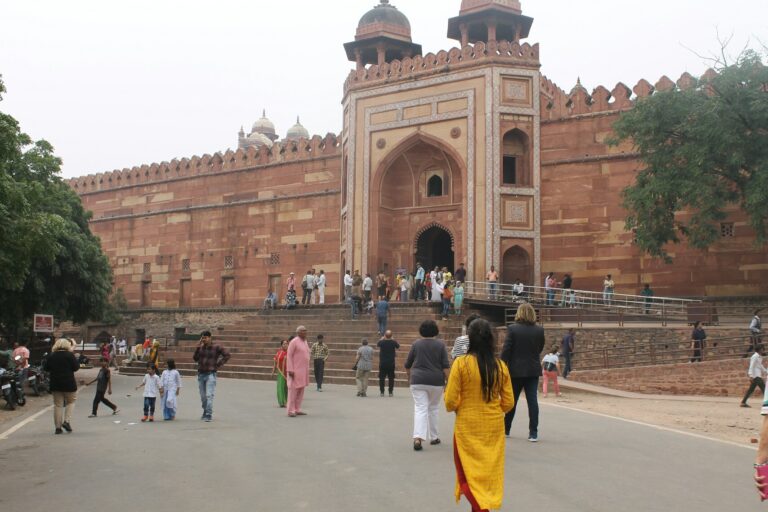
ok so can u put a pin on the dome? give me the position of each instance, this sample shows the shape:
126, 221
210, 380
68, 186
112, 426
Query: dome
297, 131
263, 126
384, 18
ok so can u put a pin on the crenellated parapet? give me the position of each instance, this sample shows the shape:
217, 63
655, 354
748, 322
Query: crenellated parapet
558, 104
253, 157
503, 52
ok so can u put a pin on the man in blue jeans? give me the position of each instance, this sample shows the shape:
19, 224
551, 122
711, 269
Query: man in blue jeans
209, 359
382, 314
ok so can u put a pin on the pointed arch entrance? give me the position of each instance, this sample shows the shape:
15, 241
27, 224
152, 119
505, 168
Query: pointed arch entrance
417, 206
517, 265
434, 248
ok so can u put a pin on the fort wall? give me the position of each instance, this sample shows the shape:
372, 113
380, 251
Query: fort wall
582, 217
219, 230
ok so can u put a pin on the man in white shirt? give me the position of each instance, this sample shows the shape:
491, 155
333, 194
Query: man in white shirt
518, 289
321, 286
308, 284
347, 286
756, 373
367, 287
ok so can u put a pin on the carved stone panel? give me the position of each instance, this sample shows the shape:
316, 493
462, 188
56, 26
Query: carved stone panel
517, 212
516, 91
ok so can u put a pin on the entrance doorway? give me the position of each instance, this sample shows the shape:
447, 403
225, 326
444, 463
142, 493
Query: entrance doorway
517, 265
434, 248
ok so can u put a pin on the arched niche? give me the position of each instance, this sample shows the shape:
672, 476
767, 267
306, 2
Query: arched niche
516, 159
434, 185
516, 264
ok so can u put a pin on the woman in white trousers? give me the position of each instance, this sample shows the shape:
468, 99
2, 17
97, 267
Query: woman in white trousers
427, 367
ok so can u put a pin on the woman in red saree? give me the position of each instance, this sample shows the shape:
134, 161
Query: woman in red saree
282, 383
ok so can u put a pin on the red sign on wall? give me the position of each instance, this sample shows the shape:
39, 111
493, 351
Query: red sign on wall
43, 323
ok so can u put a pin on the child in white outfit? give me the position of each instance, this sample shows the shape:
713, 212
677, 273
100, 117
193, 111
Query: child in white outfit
152, 388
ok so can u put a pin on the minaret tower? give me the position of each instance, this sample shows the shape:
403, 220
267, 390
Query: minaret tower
489, 20
383, 35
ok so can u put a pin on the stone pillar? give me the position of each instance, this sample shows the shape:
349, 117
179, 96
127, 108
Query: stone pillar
382, 54
359, 59
464, 34
491, 31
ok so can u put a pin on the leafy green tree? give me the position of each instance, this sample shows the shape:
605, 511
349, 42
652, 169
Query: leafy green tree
705, 151
50, 262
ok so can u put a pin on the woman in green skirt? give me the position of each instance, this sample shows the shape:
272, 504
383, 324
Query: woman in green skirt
282, 383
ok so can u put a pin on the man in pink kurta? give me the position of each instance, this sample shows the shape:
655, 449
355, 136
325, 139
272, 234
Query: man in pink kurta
297, 365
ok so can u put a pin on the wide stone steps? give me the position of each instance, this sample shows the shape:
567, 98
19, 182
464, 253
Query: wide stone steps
254, 340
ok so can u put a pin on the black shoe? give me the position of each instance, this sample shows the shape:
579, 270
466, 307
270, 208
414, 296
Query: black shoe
744, 405
434, 442
66, 426
417, 445
58, 431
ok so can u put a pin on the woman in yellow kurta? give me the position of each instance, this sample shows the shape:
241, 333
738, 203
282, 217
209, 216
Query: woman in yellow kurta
480, 392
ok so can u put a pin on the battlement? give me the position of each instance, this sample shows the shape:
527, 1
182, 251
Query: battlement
280, 152
557, 104
471, 55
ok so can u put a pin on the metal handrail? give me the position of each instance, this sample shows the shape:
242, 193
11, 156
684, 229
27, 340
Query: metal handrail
584, 299
649, 352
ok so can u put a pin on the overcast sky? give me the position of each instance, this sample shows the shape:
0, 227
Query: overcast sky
116, 84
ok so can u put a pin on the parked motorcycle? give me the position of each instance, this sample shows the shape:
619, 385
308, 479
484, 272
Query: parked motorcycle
9, 385
38, 380
21, 377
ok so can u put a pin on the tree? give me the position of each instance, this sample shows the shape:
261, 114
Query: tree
50, 262
705, 151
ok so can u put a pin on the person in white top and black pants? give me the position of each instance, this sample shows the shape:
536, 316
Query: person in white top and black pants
756, 374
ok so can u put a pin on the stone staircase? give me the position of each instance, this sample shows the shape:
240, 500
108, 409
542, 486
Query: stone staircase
254, 340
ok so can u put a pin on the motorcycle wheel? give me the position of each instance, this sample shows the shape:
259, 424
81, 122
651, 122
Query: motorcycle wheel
36, 389
22, 401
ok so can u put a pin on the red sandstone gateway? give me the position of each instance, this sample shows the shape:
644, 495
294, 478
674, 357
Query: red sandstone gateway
468, 154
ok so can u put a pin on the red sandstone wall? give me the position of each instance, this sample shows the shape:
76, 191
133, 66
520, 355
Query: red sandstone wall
583, 221
714, 378
251, 205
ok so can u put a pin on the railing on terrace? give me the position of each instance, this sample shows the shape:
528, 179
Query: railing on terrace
622, 305
647, 352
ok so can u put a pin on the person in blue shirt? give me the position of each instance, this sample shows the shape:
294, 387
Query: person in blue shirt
418, 287
382, 315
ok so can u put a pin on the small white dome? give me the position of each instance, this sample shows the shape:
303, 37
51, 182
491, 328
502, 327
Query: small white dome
297, 131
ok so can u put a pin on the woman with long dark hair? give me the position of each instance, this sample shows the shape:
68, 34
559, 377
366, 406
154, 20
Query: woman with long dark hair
480, 392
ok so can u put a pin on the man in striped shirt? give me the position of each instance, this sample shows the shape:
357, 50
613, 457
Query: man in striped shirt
461, 345
319, 354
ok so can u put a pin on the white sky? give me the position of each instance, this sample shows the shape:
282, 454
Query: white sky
116, 84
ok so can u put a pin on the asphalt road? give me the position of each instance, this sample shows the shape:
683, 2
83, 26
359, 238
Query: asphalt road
350, 454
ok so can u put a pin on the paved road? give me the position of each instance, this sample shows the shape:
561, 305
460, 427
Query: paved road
350, 454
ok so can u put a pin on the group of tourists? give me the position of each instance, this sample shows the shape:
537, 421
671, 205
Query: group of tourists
312, 286
480, 388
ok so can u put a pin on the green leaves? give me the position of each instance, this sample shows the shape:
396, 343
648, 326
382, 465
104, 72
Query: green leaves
705, 151
50, 262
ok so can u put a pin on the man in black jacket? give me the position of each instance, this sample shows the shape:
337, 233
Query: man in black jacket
522, 354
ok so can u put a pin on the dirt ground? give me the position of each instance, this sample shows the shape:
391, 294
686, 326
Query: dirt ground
720, 420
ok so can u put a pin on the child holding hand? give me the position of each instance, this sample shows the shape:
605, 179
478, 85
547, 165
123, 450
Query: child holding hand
152, 388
